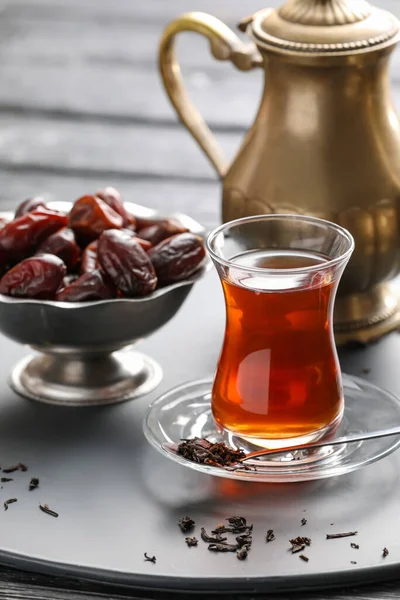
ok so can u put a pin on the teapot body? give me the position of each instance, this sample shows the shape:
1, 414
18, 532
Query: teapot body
326, 142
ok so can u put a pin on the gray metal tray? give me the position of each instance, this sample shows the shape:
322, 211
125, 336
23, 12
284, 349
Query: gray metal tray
118, 498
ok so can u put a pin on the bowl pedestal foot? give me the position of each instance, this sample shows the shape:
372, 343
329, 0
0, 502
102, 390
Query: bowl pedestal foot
85, 379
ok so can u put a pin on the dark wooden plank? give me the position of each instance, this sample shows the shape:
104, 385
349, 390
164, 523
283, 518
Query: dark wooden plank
97, 148
152, 10
124, 94
126, 11
111, 73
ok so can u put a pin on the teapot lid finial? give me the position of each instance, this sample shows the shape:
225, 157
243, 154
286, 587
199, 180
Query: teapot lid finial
325, 27
325, 12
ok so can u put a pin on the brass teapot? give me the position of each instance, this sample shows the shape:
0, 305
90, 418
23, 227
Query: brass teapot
326, 139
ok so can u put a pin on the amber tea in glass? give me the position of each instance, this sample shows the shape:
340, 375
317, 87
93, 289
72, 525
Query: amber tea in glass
278, 380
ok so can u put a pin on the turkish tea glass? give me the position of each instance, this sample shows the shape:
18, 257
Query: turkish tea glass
278, 381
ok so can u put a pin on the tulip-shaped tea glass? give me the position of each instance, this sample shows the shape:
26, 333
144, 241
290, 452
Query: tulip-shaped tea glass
278, 381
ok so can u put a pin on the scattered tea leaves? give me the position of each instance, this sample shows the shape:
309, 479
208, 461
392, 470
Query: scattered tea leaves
299, 543
210, 539
148, 558
270, 536
9, 501
336, 536
33, 484
6, 479
186, 524
303, 557
44, 508
303, 522
355, 546
236, 525
385, 552
202, 451
191, 541
18, 467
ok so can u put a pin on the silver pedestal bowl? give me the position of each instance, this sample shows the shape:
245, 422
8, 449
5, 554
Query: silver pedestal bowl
84, 350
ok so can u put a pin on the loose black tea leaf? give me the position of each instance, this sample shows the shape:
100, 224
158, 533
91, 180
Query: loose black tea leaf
223, 529
186, 524
44, 508
303, 521
18, 467
306, 541
237, 522
336, 536
191, 541
244, 540
355, 546
242, 553
10, 501
6, 479
148, 558
353, 562
239, 525
222, 547
299, 543
366, 370
33, 484
385, 552
270, 536
212, 540
202, 451
236, 525
303, 557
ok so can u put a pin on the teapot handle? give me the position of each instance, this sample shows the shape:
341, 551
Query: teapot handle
224, 45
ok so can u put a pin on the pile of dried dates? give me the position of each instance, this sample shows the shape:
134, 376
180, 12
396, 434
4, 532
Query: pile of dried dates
96, 252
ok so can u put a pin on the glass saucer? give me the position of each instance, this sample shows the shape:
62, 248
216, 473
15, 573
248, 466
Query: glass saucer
185, 412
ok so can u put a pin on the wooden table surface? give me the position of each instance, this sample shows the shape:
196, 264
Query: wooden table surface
81, 106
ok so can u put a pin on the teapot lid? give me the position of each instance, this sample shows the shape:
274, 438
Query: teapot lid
323, 27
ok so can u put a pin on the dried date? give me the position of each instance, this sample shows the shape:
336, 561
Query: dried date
89, 286
176, 258
62, 244
23, 235
29, 205
161, 231
113, 198
67, 280
35, 277
144, 243
90, 216
142, 222
4, 222
126, 263
89, 258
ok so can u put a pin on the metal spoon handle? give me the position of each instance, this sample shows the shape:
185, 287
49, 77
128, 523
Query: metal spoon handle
361, 437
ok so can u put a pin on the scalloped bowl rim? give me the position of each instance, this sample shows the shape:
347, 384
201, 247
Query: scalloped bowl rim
139, 210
